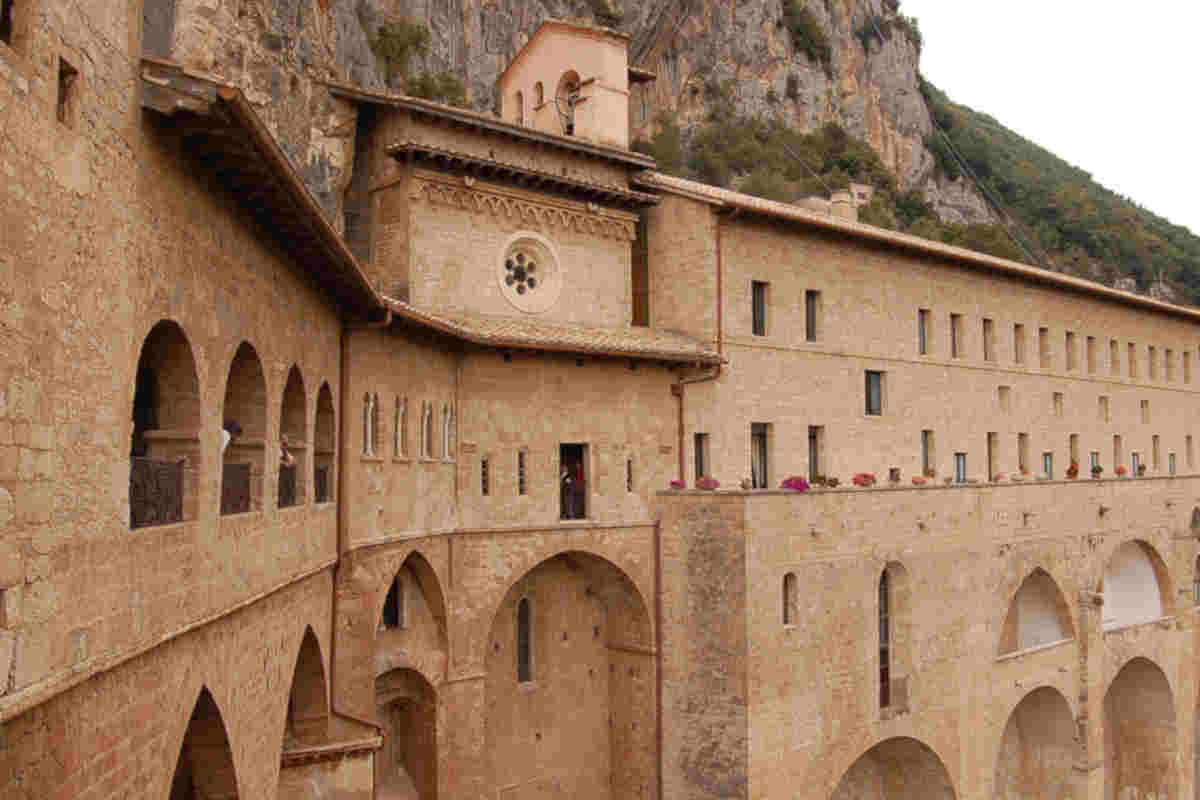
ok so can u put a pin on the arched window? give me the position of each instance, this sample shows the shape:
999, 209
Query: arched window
244, 435
427, 431
165, 449
520, 103
791, 599
894, 638
400, 428
1037, 615
524, 642
370, 424
452, 435
394, 608
539, 95
292, 446
324, 445
1133, 587
1196, 583
566, 98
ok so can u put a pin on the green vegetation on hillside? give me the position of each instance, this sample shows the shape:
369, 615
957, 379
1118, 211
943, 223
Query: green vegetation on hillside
806, 34
768, 159
395, 43
1085, 228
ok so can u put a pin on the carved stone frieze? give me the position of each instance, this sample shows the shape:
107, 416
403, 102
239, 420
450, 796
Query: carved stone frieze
526, 213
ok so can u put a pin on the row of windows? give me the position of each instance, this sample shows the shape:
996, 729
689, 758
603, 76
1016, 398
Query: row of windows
572, 477
760, 299
371, 433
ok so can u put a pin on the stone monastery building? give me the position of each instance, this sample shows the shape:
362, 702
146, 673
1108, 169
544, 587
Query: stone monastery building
360, 490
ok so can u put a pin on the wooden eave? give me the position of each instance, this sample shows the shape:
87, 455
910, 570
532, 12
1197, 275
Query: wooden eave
425, 155
486, 123
224, 135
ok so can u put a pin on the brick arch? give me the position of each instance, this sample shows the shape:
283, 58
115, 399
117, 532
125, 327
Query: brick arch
1038, 613
1130, 552
307, 719
911, 765
293, 433
1037, 749
204, 766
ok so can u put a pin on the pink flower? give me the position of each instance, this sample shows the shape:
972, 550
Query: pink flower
795, 483
678, 484
708, 483
864, 479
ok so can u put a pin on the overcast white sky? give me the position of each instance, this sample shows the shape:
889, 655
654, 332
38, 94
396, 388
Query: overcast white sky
1109, 87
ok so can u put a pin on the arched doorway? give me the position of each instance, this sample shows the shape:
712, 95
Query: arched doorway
896, 769
570, 684
406, 707
204, 770
1139, 734
1038, 750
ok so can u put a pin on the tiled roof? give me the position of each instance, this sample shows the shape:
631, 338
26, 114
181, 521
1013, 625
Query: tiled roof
526, 334
725, 198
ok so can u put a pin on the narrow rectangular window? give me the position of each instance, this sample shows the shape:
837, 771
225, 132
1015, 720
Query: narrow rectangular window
989, 344
1044, 347
1114, 357
1073, 448
1048, 464
1070, 348
521, 472
1146, 412
1155, 453
874, 392
1023, 452
484, 478
812, 310
629, 474
1135, 462
928, 456
758, 292
1118, 452
1187, 366
1131, 357
1171, 463
816, 444
760, 451
1189, 453
885, 656
1058, 404
960, 467
524, 642
700, 449
1105, 410
956, 335
1095, 459
1091, 355
993, 455
573, 477
68, 93
6, 22
923, 331
1152, 362
1004, 394
1019, 343
1169, 364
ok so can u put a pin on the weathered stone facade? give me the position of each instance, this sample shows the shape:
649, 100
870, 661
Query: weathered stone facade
438, 560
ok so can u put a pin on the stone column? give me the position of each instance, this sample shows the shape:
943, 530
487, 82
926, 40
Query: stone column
1089, 762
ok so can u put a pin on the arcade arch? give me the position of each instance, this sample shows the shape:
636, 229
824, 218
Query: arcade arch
1037, 615
1135, 586
293, 484
1139, 734
1038, 750
243, 458
205, 768
899, 768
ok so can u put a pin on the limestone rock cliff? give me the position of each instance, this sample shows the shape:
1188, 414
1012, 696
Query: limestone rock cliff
281, 51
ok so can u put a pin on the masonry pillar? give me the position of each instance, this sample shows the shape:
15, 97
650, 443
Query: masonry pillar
462, 716
1089, 764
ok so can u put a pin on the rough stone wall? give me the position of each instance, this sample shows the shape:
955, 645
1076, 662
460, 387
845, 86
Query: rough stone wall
812, 705
120, 733
682, 266
868, 319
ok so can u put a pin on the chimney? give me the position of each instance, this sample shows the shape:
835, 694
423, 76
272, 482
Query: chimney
843, 206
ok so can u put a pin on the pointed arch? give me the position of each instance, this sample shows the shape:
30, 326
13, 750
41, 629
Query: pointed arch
406, 707
1038, 614
900, 768
1038, 749
411, 614
324, 445
246, 405
308, 704
204, 767
165, 453
894, 606
1139, 733
293, 428
1136, 586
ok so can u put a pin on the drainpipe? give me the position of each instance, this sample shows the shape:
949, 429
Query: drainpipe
715, 373
658, 649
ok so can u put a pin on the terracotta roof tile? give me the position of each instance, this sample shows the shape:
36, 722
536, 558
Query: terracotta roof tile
526, 334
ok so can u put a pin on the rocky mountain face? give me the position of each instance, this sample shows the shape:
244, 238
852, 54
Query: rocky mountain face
864, 78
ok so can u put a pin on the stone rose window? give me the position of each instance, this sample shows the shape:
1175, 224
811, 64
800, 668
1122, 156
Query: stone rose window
529, 273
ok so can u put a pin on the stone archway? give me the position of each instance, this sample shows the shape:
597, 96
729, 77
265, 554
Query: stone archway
1139, 734
896, 769
1136, 586
204, 769
406, 707
570, 684
1037, 615
1038, 750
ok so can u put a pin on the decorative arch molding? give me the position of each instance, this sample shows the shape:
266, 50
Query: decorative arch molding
526, 213
1037, 614
1136, 585
923, 773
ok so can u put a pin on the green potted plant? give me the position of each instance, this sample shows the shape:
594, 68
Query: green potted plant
1097, 471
